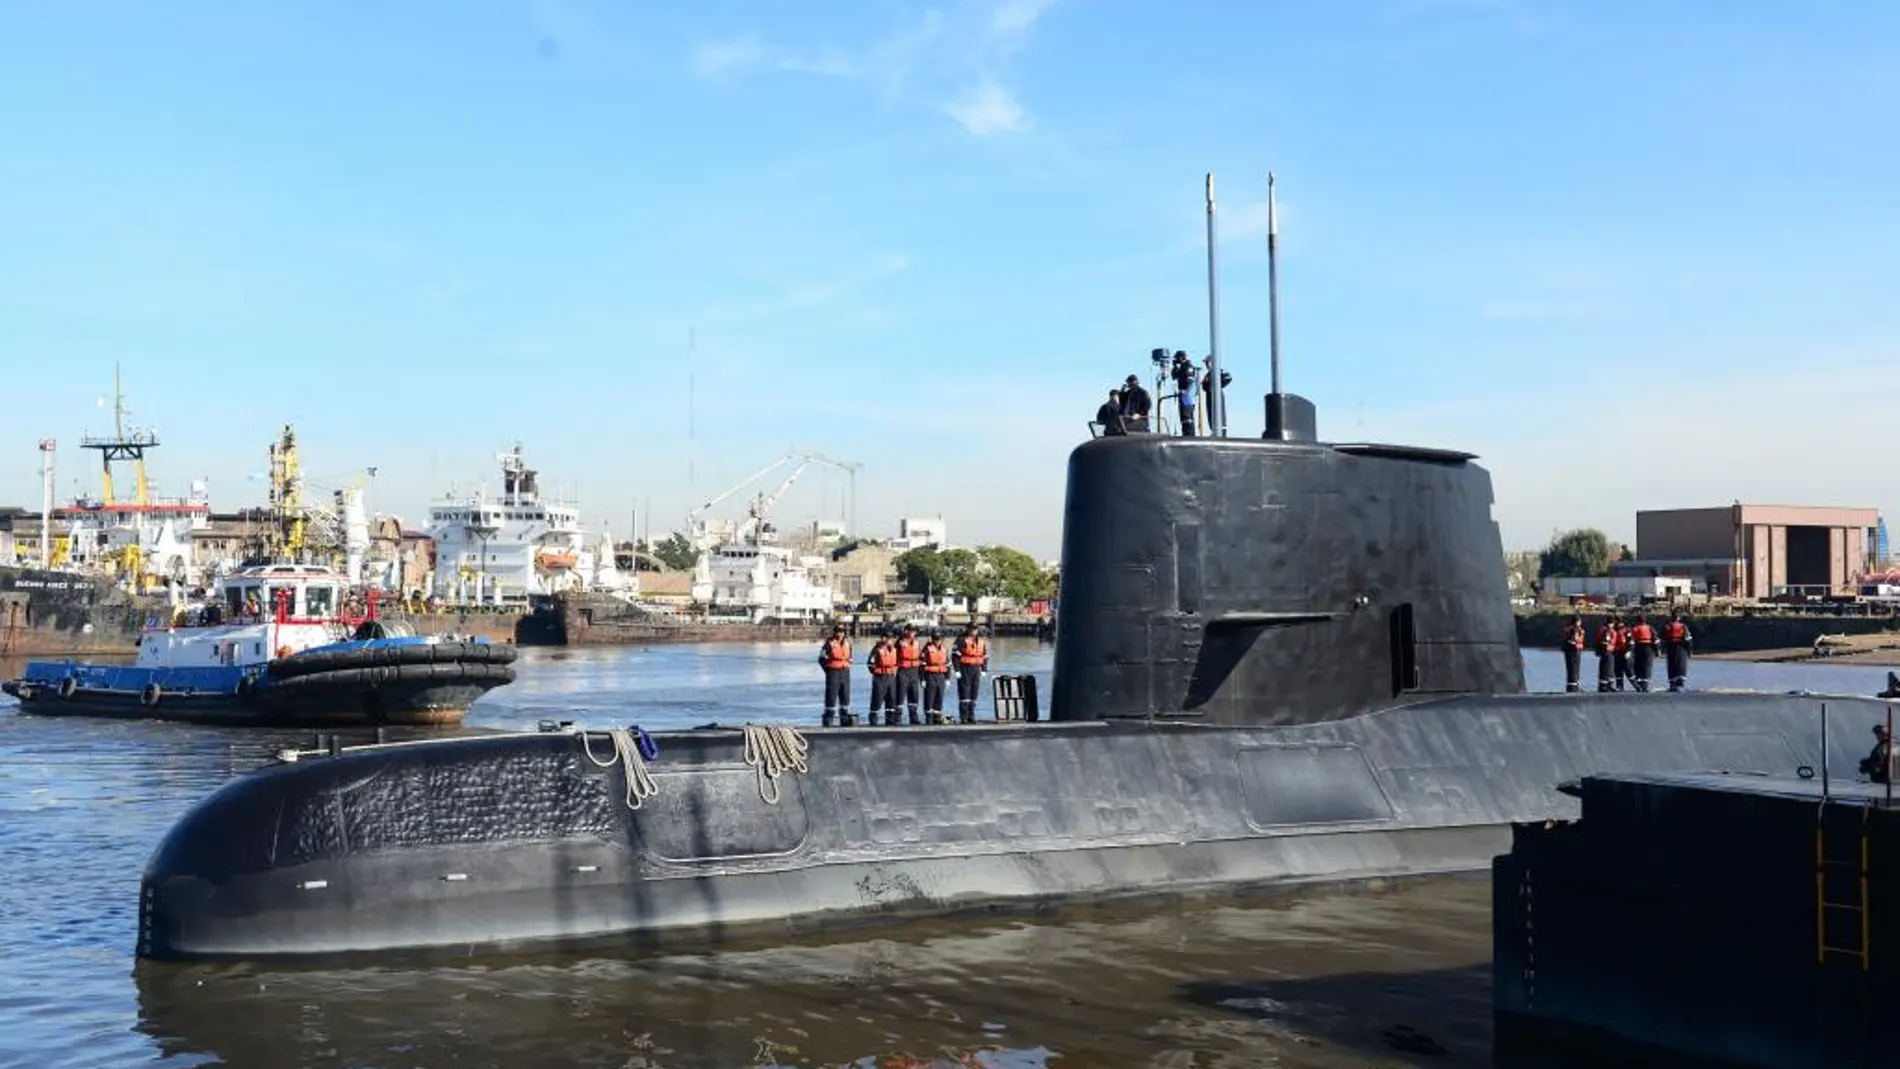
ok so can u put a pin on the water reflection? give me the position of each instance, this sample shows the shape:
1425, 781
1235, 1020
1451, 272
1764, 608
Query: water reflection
1319, 981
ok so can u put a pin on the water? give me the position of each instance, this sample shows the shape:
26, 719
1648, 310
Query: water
1340, 979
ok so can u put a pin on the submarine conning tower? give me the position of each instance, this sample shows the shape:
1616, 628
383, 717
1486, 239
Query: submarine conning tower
1277, 581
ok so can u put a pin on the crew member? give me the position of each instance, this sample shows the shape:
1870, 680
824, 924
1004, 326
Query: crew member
834, 656
936, 674
1878, 765
1187, 391
1110, 415
910, 664
1135, 406
973, 659
1642, 640
1576, 637
882, 661
1676, 642
1622, 653
1207, 382
1606, 655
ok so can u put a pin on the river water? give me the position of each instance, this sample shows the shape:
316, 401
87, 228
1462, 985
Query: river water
1321, 980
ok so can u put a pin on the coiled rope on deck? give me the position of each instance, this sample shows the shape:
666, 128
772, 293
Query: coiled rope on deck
774, 749
633, 748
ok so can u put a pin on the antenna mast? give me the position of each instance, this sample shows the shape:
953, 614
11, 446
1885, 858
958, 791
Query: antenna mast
1217, 411
1273, 282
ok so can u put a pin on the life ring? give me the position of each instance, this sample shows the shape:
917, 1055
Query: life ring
67, 686
149, 696
283, 652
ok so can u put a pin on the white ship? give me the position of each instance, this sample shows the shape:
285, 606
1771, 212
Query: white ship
742, 571
504, 550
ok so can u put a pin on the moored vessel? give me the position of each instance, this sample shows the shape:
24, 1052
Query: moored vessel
275, 646
1278, 661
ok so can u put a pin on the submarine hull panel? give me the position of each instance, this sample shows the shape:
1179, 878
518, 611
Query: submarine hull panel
529, 840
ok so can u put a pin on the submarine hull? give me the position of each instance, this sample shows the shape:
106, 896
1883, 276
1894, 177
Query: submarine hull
529, 840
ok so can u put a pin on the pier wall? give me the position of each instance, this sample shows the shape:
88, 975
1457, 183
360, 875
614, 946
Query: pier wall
1715, 634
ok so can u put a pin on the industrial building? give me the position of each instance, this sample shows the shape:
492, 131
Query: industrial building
1759, 551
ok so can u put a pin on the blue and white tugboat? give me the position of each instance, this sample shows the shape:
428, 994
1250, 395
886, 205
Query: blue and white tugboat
275, 646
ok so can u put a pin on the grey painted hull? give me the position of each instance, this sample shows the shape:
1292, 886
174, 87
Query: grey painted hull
521, 840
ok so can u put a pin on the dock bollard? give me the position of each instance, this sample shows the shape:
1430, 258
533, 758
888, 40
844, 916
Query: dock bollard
1014, 698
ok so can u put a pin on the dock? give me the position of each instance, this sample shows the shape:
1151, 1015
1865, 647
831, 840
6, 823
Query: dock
1704, 919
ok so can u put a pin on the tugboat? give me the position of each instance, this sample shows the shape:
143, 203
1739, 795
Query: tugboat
304, 662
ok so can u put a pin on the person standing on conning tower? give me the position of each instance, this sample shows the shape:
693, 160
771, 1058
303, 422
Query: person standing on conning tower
910, 665
936, 674
973, 659
834, 656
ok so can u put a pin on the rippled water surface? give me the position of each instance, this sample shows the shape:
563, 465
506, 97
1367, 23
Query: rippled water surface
1390, 977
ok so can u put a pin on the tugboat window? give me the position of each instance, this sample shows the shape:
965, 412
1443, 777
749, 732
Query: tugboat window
319, 601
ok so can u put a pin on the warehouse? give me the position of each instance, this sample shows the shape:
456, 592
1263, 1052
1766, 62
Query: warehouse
1758, 551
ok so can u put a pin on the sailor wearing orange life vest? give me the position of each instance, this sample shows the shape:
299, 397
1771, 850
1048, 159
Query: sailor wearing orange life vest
1606, 655
834, 656
973, 659
882, 662
936, 674
910, 667
1622, 651
1576, 637
1642, 641
1676, 641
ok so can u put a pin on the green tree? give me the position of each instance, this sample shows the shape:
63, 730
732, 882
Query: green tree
679, 554
1015, 574
1581, 552
963, 573
922, 571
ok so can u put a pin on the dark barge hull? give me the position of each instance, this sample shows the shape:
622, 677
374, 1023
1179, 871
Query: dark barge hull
1685, 920
48, 613
511, 841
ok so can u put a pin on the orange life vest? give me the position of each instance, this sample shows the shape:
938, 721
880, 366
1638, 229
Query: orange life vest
1677, 631
907, 654
1642, 635
1606, 639
936, 659
1574, 636
883, 661
1619, 640
837, 653
971, 651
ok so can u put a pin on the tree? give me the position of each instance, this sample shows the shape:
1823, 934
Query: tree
1581, 552
1015, 573
922, 571
679, 554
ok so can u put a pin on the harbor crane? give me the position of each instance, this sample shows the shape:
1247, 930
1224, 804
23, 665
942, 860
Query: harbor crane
703, 533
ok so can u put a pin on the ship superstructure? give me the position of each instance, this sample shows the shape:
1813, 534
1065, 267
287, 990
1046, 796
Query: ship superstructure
502, 550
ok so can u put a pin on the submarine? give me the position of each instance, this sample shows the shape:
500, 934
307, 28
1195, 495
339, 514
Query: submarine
1278, 661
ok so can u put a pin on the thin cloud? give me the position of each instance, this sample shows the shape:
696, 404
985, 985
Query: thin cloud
988, 108
963, 62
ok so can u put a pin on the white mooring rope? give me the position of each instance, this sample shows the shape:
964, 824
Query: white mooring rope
774, 749
640, 785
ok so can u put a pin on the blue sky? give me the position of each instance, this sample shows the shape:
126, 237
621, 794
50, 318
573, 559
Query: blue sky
1636, 255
